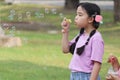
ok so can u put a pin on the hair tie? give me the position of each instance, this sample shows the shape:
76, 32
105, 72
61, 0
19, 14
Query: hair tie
98, 18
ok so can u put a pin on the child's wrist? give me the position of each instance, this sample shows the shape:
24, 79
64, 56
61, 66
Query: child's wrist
65, 30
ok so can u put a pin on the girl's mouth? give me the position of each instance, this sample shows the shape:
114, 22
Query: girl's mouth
75, 22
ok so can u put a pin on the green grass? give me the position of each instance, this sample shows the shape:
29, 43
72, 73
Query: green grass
40, 57
35, 60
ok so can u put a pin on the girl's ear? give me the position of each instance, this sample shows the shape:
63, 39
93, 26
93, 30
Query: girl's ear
90, 20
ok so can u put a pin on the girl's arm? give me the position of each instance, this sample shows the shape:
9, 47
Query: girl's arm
65, 43
95, 71
65, 32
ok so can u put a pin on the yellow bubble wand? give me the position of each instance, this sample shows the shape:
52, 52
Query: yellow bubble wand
68, 20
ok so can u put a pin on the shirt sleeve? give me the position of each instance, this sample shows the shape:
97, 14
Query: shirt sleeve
97, 50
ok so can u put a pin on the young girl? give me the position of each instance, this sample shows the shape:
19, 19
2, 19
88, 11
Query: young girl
88, 46
116, 67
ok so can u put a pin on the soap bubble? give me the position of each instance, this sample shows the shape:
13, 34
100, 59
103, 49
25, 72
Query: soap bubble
12, 12
61, 15
46, 10
12, 31
42, 15
54, 11
20, 17
28, 14
37, 14
13, 28
11, 17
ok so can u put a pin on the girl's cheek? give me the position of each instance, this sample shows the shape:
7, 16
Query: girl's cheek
78, 20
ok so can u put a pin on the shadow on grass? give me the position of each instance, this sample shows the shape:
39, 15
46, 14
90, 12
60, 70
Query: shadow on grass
23, 70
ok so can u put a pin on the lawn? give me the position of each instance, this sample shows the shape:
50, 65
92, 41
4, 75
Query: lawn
40, 57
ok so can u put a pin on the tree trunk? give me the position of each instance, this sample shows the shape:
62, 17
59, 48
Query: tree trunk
116, 11
71, 4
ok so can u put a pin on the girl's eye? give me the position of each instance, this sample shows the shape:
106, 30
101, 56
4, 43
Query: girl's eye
80, 15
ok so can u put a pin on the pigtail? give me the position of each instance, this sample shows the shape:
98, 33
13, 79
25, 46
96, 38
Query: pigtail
81, 49
72, 47
82, 31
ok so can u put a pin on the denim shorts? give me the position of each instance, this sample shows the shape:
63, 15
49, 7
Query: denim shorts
80, 76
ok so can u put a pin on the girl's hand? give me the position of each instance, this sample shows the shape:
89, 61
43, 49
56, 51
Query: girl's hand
65, 25
112, 77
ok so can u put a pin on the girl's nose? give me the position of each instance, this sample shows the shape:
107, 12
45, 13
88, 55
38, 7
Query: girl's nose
75, 18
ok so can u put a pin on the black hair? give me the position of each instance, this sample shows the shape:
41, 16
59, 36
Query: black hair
92, 10
72, 47
81, 49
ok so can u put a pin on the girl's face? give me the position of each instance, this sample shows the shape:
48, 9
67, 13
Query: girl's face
82, 18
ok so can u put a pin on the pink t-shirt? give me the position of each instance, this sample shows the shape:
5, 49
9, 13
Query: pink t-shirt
93, 52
